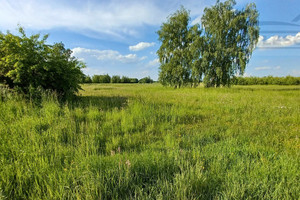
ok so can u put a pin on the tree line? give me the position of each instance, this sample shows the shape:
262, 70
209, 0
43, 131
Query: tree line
213, 53
267, 80
114, 79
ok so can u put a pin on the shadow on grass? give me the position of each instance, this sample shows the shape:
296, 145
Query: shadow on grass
101, 102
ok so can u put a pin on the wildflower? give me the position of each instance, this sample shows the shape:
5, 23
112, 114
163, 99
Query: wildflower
128, 163
112, 153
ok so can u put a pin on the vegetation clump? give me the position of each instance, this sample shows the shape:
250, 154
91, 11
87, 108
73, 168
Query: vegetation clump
28, 65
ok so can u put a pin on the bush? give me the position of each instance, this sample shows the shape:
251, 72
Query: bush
28, 64
87, 79
146, 80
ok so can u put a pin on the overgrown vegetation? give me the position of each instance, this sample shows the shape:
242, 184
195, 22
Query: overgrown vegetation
29, 65
146, 141
214, 53
267, 80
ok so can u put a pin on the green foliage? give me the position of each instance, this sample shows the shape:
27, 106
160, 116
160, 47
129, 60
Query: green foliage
101, 78
134, 80
219, 51
230, 38
267, 80
145, 141
115, 79
86, 79
125, 79
146, 80
178, 53
28, 63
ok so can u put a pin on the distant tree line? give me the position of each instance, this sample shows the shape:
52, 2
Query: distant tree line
105, 78
267, 80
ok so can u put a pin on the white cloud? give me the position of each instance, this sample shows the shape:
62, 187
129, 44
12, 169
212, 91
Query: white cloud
115, 18
295, 72
266, 68
154, 63
114, 63
102, 55
278, 41
197, 20
140, 46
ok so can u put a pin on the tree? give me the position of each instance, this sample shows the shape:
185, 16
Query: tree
146, 80
115, 79
86, 79
178, 54
28, 63
125, 79
104, 78
134, 80
230, 38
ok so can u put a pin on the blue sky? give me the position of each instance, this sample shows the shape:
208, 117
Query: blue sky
119, 37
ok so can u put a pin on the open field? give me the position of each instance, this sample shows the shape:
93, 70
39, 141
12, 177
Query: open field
120, 141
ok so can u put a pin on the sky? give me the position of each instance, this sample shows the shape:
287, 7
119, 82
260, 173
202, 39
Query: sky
118, 37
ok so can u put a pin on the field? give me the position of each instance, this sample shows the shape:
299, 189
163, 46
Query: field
135, 141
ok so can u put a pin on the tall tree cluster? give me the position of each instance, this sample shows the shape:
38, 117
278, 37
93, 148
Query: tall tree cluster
213, 53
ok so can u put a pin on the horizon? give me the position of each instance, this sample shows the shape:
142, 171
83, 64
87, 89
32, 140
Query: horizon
119, 38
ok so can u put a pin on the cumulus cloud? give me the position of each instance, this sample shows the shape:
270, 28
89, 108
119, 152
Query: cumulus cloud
102, 55
278, 41
113, 18
154, 63
140, 46
266, 68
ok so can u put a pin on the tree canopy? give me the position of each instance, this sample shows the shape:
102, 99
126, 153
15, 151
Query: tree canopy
176, 53
28, 63
217, 51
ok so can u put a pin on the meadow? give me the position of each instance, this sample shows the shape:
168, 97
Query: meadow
146, 141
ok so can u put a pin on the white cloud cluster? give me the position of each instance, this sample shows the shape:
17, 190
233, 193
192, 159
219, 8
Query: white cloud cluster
116, 18
278, 41
266, 68
140, 46
102, 55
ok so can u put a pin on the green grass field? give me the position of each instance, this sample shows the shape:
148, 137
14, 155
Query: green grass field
119, 141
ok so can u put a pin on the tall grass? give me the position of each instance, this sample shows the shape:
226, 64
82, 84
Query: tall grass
149, 142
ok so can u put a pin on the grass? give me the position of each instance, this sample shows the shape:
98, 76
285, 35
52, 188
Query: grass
150, 142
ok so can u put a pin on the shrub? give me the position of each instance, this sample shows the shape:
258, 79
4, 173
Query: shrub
28, 63
146, 80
